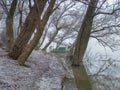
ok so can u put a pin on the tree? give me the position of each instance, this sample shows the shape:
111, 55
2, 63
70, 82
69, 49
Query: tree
40, 28
27, 30
106, 25
84, 33
3, 5
42, 39
20, 10
9, 26
60, 22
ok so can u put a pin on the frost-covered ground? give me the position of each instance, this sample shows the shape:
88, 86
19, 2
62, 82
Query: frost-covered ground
44, 72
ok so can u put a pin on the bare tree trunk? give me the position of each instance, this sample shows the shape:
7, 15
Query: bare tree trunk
9, 26
30, 5
21, 16
50, 41
41, 24
27, 30
84, 33
43, 39
46, 30
61, 40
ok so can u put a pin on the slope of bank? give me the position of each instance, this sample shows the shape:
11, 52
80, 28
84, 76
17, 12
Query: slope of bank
43, 72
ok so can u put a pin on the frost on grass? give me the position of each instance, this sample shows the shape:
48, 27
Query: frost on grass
44, 72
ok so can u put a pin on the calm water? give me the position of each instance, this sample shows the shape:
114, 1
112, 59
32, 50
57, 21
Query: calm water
102, 77
69, 85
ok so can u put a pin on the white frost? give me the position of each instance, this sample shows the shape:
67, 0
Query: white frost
44, 72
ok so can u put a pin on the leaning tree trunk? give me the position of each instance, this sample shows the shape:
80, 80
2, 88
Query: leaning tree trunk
84, 34
44, 36
27, 30
28, 49
9, 26
51, 39
43, 39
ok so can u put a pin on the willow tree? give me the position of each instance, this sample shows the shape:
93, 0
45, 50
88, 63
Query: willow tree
84, 33
40, 28
27, 29
9, 26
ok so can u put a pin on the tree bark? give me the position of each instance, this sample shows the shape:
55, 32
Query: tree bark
41, 24
21, 17
27, 30
9, 26
84, 34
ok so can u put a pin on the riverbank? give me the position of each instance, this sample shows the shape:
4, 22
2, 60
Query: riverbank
43, 72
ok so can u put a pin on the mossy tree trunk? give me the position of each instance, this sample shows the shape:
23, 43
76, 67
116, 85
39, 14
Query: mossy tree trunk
84, 34
9, 26
40, 28
27, 30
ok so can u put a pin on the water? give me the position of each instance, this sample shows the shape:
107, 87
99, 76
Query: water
80, 81
69, 85
104, 74
102, 78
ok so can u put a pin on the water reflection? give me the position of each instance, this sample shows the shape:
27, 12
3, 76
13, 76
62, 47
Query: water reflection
105, 83
69, 85
104, 73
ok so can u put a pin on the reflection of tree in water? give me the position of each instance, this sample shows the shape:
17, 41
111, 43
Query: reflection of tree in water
104, 72
105, 82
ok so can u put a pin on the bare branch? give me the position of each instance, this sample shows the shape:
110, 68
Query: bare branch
104, 28
108, 13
